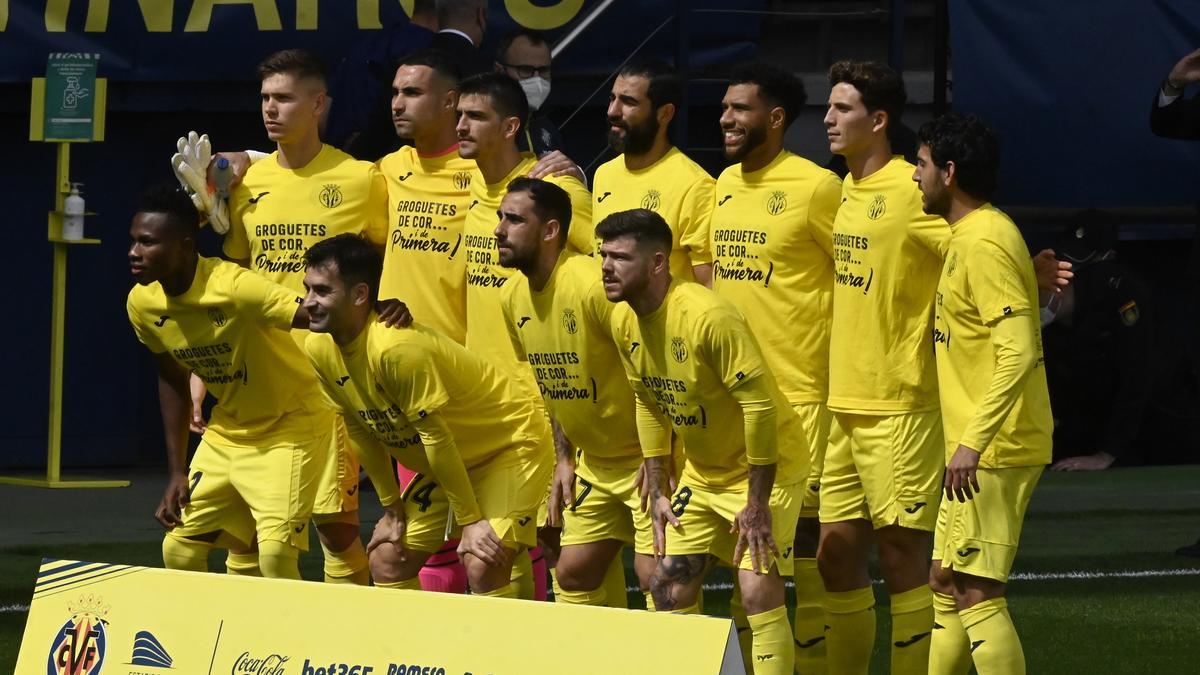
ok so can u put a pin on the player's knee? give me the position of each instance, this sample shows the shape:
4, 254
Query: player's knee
576, 575
337, 536
387, 567
900, 555
278, 560
941, 580
181, 553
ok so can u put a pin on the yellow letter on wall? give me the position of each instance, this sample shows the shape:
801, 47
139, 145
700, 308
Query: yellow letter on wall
266, 15
540, 17
56, 15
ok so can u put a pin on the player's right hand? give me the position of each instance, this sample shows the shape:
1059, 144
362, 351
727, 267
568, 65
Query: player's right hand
389, 530
562, 492
480, 540
238, 161
393, 313
170, 510
659, 517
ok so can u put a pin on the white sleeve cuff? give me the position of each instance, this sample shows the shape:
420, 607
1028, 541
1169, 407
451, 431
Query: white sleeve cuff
255, 155
1164, 100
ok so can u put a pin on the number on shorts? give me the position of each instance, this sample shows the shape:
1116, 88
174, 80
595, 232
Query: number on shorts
682, 497
587, 487
422, 496
195, 481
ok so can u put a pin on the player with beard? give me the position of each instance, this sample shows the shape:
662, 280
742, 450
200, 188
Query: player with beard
773, 258
697, 369
558, 319
994, 401
650, 173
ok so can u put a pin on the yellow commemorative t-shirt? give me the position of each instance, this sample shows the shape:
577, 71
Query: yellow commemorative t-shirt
684, 359
278, 213
563, 333
387, 377
988, 277
486, 332
773, 259
231, 329
424, 261
887, 254
674, 187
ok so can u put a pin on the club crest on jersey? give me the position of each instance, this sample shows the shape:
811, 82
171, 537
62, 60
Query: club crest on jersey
776, 202
570, 323
331, 196
462, 180
79, 646
678, 350
652, 200
877, 207
951, 265
217, 317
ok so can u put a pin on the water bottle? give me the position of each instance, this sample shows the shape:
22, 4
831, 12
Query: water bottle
73, 214
222, 176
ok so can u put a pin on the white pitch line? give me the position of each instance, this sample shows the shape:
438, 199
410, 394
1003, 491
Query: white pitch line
1022, 576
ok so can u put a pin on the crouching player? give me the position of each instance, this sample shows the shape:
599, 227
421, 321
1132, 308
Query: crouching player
481, 453
697, 370
254, 475
995, 405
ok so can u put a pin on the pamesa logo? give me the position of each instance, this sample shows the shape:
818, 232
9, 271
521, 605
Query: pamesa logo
148, 651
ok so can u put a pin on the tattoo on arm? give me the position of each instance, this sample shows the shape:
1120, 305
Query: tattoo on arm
562, 445
656, 475
762, 479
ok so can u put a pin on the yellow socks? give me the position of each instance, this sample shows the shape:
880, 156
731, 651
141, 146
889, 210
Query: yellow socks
995, 647
851, 636
614, 584
278, 560
596, 597
690, 609
808, 623
649, 601
413, 584
949, 647
912, 623
521, 578
508, 590
242, 564
180, 553
348, 566
772, 650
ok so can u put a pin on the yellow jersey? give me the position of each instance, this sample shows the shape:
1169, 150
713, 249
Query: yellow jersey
887, 256
674, 187
486, 332
387, 377
772, 244
562, 332
230, 328
278, 213
685, 361
424, 260
987, 279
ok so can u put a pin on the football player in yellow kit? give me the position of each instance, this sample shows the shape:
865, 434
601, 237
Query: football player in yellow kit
994, 401
696, 369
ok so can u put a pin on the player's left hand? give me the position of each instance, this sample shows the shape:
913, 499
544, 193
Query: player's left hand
752, 525
1094, 462
562, 492
197, 424
659, 517
480, 540
960, 474
1052, 274
389, 530
393, 313
555, 163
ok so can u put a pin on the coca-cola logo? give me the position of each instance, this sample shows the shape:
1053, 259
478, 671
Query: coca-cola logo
254, 665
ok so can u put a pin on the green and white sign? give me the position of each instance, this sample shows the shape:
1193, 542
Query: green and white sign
70, 111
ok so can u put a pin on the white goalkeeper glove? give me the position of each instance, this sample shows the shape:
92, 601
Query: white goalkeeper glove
191, 168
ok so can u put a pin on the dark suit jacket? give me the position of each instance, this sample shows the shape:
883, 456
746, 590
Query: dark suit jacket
466, 56
1180, 119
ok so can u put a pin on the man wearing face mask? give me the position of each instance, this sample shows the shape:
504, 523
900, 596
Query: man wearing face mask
524, 55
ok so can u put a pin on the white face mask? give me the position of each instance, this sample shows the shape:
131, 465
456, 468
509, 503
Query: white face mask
536, 90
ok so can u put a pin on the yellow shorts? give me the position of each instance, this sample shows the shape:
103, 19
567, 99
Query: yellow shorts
607, 506
508, 497
337, 488
266, 491
814, 424
886, 469
705, 518
979, 537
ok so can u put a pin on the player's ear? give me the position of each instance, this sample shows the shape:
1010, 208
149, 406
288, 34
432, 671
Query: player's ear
665, 114
361, 294
777, 118
450, 102
551, 230
879, 120
321, 103
949, 173
511, 126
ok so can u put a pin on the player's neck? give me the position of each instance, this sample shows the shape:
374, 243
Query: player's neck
541, 272
761, 156
347, 334
180, 283
653, 297
496, 166
297, 155
445, 140
657, 151
874, 158
961, 206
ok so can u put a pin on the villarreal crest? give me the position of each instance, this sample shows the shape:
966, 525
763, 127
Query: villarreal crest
79, 646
